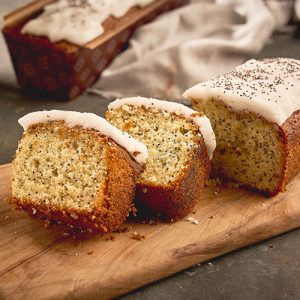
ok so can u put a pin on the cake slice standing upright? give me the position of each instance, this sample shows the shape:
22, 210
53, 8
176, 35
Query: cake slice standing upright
255, 113
180, 143
75, 168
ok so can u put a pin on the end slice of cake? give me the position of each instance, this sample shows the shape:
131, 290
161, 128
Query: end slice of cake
255, 113
75, 168
180, 142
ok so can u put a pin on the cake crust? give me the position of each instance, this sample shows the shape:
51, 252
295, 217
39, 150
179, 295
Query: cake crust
176, 200
255, 111
114, 199
290, 132
289, 139
171, 200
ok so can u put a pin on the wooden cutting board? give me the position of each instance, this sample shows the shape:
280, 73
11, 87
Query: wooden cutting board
54, 262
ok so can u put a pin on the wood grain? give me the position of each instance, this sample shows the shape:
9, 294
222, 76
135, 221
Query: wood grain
42, 262
25, 11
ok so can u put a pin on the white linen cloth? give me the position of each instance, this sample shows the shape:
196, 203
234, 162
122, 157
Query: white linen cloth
297, 10
186, 46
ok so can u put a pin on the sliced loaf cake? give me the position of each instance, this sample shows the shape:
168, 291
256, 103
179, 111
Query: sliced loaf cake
254, 111
180, 142
75, 168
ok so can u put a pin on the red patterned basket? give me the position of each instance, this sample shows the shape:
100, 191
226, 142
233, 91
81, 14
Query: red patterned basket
63, 70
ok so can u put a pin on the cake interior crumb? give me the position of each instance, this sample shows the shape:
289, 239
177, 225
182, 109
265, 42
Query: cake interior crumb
59, 166
249, 149
170, 140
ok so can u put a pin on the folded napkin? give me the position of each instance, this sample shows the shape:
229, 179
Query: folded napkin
186, 46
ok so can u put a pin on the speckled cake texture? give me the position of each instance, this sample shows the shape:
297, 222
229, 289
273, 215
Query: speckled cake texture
66, 169
178, 163
254, 111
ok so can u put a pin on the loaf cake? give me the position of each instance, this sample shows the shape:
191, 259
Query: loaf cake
254, 111
75, 168
71, 58
180, 144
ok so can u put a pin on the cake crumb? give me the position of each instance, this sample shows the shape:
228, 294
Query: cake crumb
137, 236
110, 238
74, 216
192, 220
231, 185
189, 274
90, 252
47, 223
6, 217
214, 182
134, 210
65, 234
136, 153
33, 211
151, 222
211, 217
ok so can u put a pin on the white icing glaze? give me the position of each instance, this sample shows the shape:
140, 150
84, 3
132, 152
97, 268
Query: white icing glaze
172, 107
269, 88
89, 121
78, 21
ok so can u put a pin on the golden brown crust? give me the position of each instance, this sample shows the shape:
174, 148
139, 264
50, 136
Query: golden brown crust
290, 132
120, 185
175, 200
114, 198
289, 135
289, 138
178, 199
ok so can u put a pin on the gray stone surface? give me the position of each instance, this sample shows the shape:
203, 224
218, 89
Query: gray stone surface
269, 270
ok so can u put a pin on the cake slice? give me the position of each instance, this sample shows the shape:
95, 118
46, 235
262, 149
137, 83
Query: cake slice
75, 168
254, 111
180, 144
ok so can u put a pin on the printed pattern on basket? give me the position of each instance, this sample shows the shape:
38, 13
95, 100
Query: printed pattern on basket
45, 68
